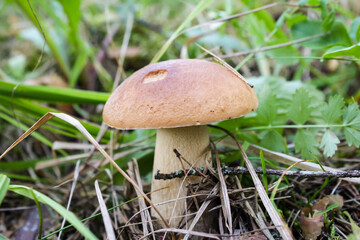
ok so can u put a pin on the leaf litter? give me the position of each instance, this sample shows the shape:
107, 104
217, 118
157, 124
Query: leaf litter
243, 218
312, 218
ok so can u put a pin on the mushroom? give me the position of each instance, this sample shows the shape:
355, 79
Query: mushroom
178, 98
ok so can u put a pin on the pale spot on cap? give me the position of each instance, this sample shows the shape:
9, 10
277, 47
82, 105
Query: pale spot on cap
155, 76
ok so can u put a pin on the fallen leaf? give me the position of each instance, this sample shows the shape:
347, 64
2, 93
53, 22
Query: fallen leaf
131, 52
311, 223
311, 226
51, 79
336, 199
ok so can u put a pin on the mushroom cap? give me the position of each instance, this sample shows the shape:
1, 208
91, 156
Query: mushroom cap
178, 93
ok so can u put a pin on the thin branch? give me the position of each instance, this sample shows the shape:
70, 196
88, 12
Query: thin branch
241, 170
272, 47
181, 158
242, 14
225, 64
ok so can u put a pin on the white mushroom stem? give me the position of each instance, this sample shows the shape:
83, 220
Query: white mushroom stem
193, 144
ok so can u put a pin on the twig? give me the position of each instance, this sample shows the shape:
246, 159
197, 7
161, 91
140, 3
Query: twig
181, 158
284, 158
267, 48
241, 170
225, 64
246, 13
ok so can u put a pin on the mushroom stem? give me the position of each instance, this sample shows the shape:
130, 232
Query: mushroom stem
193, 144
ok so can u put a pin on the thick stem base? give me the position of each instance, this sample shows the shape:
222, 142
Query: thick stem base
193, 144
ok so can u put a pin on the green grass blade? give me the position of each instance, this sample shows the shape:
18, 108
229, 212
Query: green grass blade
78, 66
69, 216
25, 128
73, 14
20, 165
40, 212
28, 120
317, 160
199, 7
319, 190
4, 183
24, 177
37, 111
55, 49
28, 112
264, 171
53, 94
2, 237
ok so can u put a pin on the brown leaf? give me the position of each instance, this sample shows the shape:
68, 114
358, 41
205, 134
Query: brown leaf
30, 223
131, 52
321, 205
311, 225
336, 199
51, 79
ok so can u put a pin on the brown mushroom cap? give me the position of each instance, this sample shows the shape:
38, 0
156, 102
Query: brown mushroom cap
178, 93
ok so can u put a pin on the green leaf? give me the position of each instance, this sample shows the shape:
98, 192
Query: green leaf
280, 21
69, 216
73, 13
352, 136
267, 109
328, 21
309, 2
352, 114
329, 208
300, 110
305, 143
294, 19
23, 177
333, 110
355, 30
337, 35
2, 237
354, 51
4, 183
281, 55
324, 10
272, 140
329, 142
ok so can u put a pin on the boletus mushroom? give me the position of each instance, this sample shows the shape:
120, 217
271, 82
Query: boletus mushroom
178, 98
